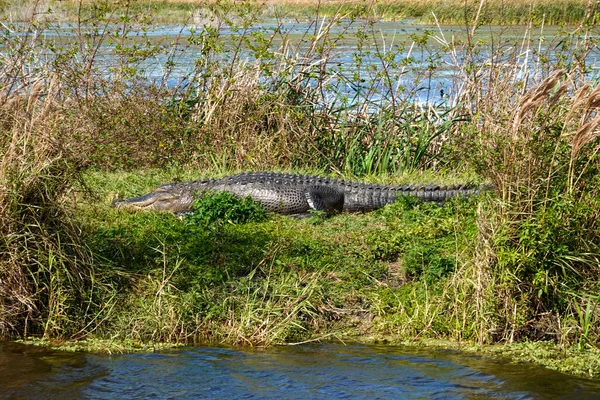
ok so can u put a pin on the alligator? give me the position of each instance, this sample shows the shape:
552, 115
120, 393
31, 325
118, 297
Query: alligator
291, 194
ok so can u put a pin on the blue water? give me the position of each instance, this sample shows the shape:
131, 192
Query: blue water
324, 371
175, 65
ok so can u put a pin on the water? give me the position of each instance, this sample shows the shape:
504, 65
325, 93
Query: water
302, 372
431, 73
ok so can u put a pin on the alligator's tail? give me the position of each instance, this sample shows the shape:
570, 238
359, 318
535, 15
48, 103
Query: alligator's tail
366, 197
439, 193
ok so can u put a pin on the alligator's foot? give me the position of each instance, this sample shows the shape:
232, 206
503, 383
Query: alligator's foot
324, 200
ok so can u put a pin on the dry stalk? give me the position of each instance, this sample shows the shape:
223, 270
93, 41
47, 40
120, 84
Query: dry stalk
578, 103
587, 133
34, 95
581, 124
534, 99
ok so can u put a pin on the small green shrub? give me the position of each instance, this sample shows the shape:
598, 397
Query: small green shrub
224, 207
428, 261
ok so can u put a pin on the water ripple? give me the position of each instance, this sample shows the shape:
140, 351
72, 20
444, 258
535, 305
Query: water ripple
305, 372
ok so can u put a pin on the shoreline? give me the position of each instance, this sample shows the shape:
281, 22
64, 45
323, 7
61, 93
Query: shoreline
568, 360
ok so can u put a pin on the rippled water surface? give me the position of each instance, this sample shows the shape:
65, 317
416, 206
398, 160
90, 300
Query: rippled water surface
303, 372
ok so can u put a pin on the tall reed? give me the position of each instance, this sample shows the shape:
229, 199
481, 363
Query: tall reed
534, 134
48, 284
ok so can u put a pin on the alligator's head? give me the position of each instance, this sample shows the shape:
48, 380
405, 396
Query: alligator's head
167, 198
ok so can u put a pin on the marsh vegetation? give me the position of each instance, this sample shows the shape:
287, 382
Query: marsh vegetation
499, 12
516, 265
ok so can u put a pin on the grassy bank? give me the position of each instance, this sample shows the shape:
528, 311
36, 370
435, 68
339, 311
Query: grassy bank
499, 12
81, 125
391, 276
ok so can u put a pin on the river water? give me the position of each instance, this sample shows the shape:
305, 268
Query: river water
317, 371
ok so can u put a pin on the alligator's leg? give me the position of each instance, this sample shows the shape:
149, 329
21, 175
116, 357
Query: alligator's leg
325, 198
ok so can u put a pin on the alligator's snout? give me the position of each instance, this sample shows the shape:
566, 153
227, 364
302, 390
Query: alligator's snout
158, 200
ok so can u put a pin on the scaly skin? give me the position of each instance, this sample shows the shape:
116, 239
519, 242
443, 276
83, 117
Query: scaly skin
290, 193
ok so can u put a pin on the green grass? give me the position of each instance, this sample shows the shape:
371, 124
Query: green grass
446, 12
218, 208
